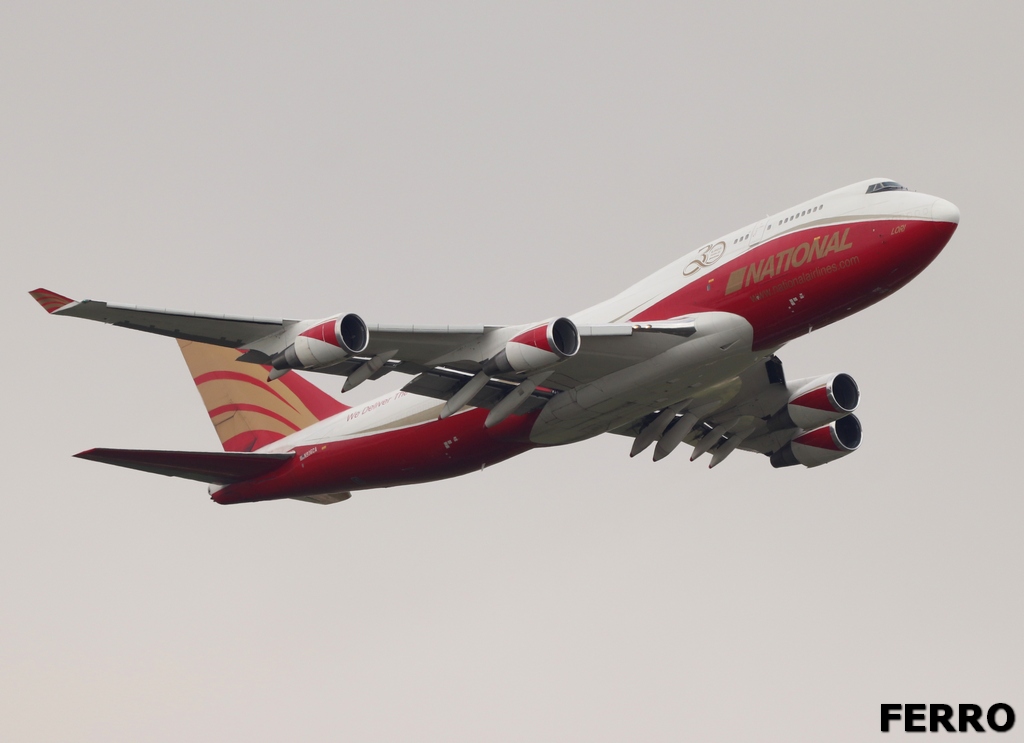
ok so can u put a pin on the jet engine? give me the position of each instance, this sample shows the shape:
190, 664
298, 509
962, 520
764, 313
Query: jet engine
821, 445
815, 402
537, 348
325, 344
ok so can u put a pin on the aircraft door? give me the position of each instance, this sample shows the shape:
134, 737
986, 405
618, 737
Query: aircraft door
757, 234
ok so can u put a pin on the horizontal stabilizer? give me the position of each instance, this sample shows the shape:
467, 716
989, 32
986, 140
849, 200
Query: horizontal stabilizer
213, 467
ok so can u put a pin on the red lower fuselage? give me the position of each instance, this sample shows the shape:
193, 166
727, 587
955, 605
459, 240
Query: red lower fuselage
790, 285
421, 453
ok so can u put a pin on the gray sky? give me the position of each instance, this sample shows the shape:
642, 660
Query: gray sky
472, 163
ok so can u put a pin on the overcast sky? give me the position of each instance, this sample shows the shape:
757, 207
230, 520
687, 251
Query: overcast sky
484, 163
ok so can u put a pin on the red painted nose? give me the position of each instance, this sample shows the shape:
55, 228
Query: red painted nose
945, 218
923, 240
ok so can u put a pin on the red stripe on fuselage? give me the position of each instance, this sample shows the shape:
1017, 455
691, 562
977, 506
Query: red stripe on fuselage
423, 453
809, 278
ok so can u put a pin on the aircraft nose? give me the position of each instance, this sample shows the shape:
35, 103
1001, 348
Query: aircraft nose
945, 211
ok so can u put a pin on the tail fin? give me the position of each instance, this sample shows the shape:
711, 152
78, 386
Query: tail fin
248, 411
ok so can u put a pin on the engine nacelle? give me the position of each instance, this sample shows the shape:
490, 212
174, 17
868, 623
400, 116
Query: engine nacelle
821, 445
815, 402
325, 344
537, 348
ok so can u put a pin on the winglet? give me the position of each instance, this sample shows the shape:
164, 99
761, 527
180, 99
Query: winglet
50, 301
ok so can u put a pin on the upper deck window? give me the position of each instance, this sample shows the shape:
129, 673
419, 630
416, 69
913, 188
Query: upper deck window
885, 186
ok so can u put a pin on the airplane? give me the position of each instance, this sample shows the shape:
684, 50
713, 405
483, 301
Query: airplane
687, 355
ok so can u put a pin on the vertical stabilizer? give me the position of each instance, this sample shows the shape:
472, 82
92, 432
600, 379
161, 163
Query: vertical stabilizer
248, 411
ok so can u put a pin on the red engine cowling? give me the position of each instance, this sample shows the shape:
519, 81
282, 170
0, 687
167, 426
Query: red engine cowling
821, 445
325, 344
538, 348
815, 402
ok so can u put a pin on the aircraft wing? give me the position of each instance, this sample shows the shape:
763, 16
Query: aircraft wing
746, 399
413, 348
447, 357
805, 421
416, 344
218, 330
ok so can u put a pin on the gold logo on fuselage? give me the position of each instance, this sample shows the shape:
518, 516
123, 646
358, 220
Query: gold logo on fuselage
775, 265
706, 256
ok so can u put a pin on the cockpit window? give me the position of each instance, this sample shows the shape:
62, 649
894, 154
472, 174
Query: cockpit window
885, 186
